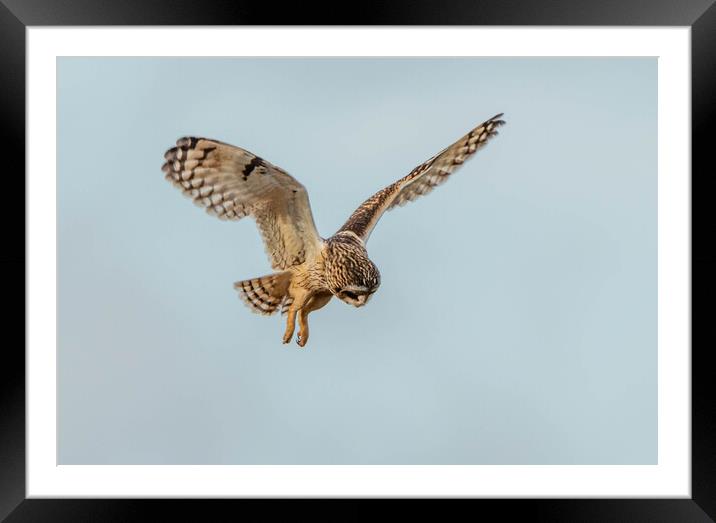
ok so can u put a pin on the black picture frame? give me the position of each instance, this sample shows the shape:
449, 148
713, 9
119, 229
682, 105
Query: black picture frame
16, 15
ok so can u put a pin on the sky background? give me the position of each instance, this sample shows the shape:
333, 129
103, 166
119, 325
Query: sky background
516, 319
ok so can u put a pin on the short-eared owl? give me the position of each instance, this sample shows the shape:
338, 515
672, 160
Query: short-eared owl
232, 183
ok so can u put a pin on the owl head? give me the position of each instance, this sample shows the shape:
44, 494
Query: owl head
350, 274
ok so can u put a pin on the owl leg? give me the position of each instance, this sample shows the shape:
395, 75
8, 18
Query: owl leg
315, 303
290, 325
302, 327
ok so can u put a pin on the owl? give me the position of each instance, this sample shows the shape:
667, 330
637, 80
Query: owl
232, 183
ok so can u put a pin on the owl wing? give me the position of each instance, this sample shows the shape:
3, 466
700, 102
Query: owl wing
421, 180
232, 183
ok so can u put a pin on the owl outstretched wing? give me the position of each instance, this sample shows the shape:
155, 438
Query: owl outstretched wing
231, 183
421, 180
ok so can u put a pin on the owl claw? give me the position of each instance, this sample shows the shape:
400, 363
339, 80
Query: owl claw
290, 324
301, 342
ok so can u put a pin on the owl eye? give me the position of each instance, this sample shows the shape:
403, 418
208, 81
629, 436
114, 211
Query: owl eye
351, 295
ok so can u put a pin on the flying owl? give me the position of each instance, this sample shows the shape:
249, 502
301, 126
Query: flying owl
231, 183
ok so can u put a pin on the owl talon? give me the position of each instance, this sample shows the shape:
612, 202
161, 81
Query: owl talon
301, 341
290, 325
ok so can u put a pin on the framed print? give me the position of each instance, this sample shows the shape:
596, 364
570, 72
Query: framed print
521, 338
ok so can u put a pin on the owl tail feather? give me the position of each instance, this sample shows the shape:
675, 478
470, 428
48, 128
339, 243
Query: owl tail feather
267, 294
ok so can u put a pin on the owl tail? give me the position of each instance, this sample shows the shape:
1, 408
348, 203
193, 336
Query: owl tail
267, 294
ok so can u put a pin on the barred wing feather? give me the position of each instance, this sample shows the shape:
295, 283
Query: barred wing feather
421, 180
231, 183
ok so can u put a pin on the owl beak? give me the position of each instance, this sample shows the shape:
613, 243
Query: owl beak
362, 299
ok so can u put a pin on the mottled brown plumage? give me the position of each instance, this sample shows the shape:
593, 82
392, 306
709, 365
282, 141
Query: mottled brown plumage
232, 183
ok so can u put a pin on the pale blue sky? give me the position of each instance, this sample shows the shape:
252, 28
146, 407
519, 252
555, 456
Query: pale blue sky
516, 320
